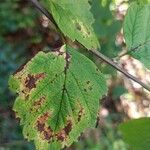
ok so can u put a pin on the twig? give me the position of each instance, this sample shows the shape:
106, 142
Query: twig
133, 49
95, 52
44, 11
49, 16
116, 66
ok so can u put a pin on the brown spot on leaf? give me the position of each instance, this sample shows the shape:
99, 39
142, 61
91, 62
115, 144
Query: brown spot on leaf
88, 86
68, 127
40, 76
31, 80
80, 113
63, 133
40, 126
37, 104
67, 58
44, 117
46, 132
60, 52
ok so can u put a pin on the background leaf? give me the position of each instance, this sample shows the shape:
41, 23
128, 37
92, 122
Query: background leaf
106, 27
55, 103
136, 133
137, 31
75, 20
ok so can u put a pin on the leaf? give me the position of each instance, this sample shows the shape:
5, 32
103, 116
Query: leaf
58, 97
137, 31
117, 91
75, 20
143, 1
136, 133
105, 25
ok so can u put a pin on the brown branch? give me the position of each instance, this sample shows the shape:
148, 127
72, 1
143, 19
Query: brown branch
133, 49
95, 52
120, 69
44, 11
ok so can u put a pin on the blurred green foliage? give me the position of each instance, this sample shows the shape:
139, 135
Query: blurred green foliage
18, 31
106, 137
136, 133
15, 20
12, 19
106, 26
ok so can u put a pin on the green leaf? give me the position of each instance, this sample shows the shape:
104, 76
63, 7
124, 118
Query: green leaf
143, 1
117, 91
75, 20
137, 133
58, 97
105, 25
137, 32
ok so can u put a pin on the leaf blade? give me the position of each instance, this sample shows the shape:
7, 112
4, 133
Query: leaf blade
136, 133
57, 103
136, 31
75, 21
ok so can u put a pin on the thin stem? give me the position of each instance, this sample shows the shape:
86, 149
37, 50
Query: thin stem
117, 67
49, 16
44, 11
133, 49
95, 52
